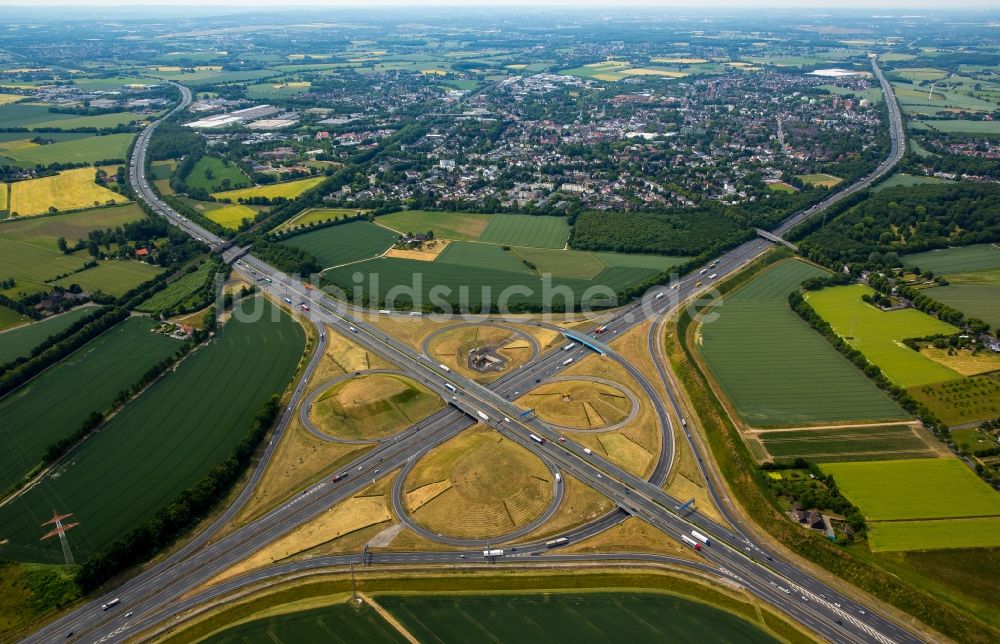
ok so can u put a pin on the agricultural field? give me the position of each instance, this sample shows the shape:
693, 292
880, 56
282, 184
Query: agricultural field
878, 334
568, 617
210, 174
10, 318
181, 294
44, 231
966, 400
6, 99
343, 244
900, 498
84, 150
613, 70
372, 406
68, 190
31, 265
478, 485
840, 444
230, 216
821, 179
34, 116
108, 364
958, 126
277, 90
486, 270
962, 259
907, 180
776, 370
316, 215
350, 624
21, 340
287, 190
973, 274
510, 230
188, 422
114, 277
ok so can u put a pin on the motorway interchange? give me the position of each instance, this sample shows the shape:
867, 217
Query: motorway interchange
152, 599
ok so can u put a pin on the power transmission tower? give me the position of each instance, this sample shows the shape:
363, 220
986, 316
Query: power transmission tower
60, 531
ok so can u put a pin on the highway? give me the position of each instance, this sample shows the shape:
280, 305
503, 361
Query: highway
152, 595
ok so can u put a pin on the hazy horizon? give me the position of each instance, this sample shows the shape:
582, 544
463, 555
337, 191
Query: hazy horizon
684, 5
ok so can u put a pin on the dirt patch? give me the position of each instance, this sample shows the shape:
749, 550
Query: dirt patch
429, 252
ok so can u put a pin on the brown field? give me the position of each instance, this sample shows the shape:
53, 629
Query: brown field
963, 361
578, 403
428, 253
347, 356
495, 486
372, 406
411, 330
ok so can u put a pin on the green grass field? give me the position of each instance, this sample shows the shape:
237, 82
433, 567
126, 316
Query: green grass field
163, 442
34, 115
934, 488
218, 170
587, 265
485, 271
510, 230
286, 190
964, 400
10, 318
569, 617
108, 364
526, 230
878, 333
315, 215
89, 150
336, 245
181, 293
847, 444
44, 231
907, 180
962, 259
337, 623
890, 536
114, 277
775, 369
30, 265
982, 128
20, 341
820, 179
973, 274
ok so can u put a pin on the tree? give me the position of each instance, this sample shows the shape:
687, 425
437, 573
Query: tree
62, 245
430, 234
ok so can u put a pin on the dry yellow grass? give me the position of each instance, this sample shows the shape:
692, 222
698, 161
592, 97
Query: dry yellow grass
496, 486
451, 348
6, 99
632, 535
349, 356
679, 61
68, 190
963, 361
645, 71
372, 406
578, 403
417, 498
428, 253
299, 461
412, 330
353, 514
580, 503
3, 196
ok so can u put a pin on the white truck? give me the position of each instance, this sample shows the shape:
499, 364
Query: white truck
445, 367
569, 346
700, 537
483, 416
493, 552
567, 361
111, 602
